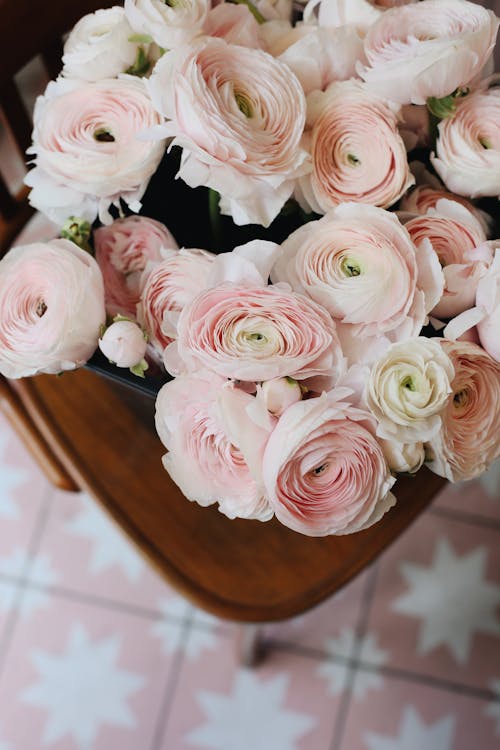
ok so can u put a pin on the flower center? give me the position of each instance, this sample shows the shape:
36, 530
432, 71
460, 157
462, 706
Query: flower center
41, 308
352, 159
460, 398
350, 267
103, 135
485, 142
320, 469
255, 337
244, 104
409, 383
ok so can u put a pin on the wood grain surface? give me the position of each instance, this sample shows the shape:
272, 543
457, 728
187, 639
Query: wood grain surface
241, 570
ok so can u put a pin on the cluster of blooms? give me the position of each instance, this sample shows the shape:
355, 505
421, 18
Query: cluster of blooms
302, 379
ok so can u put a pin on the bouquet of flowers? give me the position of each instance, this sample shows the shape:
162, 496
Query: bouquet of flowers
321, 297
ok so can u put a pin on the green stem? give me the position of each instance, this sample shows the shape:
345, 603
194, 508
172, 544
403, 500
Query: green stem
251, 7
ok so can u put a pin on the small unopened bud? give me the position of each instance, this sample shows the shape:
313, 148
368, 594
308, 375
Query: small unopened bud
124, 344
280, 393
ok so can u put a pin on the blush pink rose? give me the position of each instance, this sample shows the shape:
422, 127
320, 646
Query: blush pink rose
256, 334
166, 288
239, 115
468, 146
359, 13
215, 449
454, 233
360, 263
324, 471
122, 250
51, 308
469, 440
356, 149
88, 154
427, 49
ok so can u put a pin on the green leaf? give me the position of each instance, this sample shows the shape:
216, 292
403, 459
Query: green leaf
140, 368
78, 231
141, 65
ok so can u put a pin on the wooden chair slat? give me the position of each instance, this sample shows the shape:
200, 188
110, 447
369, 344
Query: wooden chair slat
15, 113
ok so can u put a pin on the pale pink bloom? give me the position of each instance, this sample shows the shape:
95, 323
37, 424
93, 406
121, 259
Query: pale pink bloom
255, 334
88, 153
275, 9
468, 147
427, 49
356, 150
122, 250
359, 263
99, 47
215, 448
458, 239
469, 440
51, 308
239, 115
234, 23
404, 458
483, 320
408, 388
359, 13
424, 197
324, 470
318, 56
123, 343
169, 24
166, 288
278, 394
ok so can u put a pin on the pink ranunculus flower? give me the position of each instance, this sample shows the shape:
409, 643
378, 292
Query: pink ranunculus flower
356, 150
166, 288
318, 56
51, 308
324, 470
99, 47
458, 239
359, 13
215, 448
484, 317
255, 334
427, 49
469, 440
468, 146
123, 343
422, 198
88, 154
122, 250
169, 24
234, 23
360, 263
239, 115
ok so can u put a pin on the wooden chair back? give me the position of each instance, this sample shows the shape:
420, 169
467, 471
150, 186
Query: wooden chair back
28, 30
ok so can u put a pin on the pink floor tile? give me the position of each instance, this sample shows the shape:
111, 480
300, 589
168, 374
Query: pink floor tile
90, 554
23, 490
79, 677
436, 608
480, 497
280, 705
325, 624
410, 716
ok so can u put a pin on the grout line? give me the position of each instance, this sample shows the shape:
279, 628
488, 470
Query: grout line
397, 673
33, 547
465, 517
360, 631
172, 682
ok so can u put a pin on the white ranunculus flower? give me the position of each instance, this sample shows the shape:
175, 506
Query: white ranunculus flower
99, 47
403, 458
169, 24
408, 388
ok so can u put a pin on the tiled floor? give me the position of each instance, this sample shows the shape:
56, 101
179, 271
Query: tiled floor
97, 653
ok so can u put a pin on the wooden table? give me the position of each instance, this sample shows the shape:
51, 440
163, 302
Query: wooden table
247, 571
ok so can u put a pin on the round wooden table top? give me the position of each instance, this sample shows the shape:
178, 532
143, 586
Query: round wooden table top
248, 571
